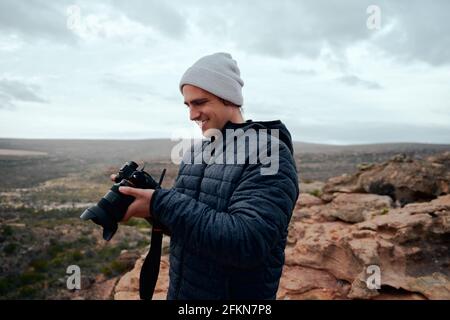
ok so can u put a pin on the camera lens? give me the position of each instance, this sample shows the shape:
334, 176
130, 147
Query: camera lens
109, 210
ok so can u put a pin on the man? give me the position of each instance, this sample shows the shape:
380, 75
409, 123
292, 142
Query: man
228, 221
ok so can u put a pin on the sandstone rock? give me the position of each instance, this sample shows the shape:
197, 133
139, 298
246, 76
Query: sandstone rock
128, 286
403, 179
348, 207
100, 290
299, 282
399, 296
311, 187
356, 207
409, 245
306, 200
127, 295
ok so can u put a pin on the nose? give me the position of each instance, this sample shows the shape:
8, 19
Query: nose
194, 114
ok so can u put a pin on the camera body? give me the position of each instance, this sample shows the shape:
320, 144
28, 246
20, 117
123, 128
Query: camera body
111, 209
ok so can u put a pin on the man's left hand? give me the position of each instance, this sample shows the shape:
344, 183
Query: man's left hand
140, 207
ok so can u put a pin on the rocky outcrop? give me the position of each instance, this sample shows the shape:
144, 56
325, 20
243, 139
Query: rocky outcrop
333, 259
348, 207
307, 200
127, 287
403, 179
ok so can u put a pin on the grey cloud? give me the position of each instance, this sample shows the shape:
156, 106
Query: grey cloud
5, 101
300, 72
40, 19
421, 30
12, 91
159, 14
353, 80
289, 27
118, 83
36, 19
135, 90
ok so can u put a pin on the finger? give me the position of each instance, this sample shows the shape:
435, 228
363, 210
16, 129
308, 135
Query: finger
113, 177
132, 191
127, 190
131, 211
127, 216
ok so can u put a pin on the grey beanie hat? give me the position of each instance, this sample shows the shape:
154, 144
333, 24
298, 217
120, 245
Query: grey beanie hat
218, 74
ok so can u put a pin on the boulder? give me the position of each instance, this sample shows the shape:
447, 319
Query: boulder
306, 200
127, 287
348, 207
404, 179
409, 246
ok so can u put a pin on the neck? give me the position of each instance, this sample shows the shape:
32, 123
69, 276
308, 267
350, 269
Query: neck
237, 117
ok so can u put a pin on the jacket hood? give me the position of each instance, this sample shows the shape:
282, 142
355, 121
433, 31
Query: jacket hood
284, 134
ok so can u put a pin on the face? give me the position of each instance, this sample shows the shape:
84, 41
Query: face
205, 108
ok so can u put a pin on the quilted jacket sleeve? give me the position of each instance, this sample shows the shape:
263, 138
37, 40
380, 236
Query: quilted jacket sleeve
256, 220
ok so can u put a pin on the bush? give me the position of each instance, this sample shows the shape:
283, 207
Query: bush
28, 292
6, 284
139, 223
39, 265
119, 267
316, 193
108, 252
77, 255
10, 248
55, 248
30, 277
7, 231
57, 262
106, 271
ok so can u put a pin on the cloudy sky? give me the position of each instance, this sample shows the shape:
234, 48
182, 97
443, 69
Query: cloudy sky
110, 69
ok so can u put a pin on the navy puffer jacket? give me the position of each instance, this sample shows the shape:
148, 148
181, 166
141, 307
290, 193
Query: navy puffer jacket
229, 223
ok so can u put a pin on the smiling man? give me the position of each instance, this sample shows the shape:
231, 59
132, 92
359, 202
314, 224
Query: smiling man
228, 221
209, 111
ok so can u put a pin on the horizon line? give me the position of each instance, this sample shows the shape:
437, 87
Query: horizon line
294, 141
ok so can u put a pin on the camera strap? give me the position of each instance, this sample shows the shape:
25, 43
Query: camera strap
150, 268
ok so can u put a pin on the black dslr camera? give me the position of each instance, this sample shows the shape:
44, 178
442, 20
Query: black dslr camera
112, 207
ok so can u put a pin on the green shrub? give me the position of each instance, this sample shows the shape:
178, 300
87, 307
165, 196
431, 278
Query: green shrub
10, 248
57, 262
108, 252
6, 285
118, 266
316, 193
54, 249
30, 277
143, 243
28, 292
139, 223
40, 265
7, 231
106, 271
77, 255
123, 245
